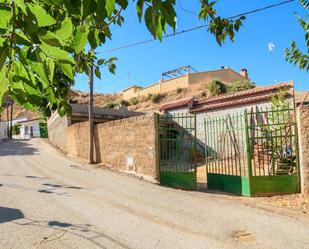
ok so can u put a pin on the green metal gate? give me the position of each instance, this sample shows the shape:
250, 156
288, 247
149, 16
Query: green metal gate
226, 154
254, 153
177, 147
273, 152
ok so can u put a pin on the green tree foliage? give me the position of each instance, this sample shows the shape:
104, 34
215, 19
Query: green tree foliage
294, 55
241, 85
16, 129
43, 129
216, 88
43, 43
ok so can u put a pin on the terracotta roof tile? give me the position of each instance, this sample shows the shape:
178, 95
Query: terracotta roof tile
256, 95
176, 104
247, 93
210, 107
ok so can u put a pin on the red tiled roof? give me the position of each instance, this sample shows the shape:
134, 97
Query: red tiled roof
256, 95
176, 104
247, 93
258, 99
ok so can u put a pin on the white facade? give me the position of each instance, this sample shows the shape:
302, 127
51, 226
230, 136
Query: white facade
201, 116
30, 129
3, 130
4, 127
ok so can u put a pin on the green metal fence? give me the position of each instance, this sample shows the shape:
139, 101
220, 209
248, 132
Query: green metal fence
226, 154
273, 151
177, 150
253, 153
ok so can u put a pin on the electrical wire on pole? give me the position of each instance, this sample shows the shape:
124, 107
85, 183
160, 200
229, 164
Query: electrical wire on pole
196, 27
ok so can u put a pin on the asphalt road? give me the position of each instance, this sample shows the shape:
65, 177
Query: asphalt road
49, 201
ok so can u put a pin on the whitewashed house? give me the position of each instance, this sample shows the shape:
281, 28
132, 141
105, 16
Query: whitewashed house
233, 104
30, 129
3, 130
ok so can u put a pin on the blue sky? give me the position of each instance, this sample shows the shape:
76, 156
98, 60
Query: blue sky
200, 50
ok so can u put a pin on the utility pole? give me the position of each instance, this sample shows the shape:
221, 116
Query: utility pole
7, 119
90, 81
11, 120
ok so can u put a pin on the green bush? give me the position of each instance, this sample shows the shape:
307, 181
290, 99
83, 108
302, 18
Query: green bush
16, 129
124, 102
134, 101
43, 129
111, 105
178, 90
149, 96
156, 98
216, 88
241, 86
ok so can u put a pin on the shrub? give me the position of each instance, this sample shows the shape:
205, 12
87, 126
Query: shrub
241, 85
178, 90
156, 98
134, 101
216, 88
43, 129
111, 105
16, 129
124, 102
149, 96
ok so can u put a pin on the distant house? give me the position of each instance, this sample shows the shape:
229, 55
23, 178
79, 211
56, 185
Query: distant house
30, 129
181, 78
259, 97
4, 126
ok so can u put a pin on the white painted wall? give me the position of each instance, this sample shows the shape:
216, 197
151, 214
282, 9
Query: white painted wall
200, 117
3, 130
25, 129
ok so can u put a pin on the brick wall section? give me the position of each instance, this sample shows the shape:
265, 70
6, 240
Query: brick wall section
57, 132
303, 136
125, 145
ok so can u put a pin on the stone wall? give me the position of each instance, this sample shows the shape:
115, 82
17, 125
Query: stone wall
303, 137
57, 131
125, 145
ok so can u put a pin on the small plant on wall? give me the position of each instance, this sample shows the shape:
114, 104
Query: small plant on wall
216, 87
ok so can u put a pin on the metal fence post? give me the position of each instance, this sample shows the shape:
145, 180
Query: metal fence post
248, 151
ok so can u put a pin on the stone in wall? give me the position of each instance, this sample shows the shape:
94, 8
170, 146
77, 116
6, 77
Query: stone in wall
125, 145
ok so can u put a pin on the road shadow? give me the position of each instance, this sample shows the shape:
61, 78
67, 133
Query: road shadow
83, 231
17, 148
10, 214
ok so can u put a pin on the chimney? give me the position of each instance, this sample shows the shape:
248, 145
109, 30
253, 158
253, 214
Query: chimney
244, 73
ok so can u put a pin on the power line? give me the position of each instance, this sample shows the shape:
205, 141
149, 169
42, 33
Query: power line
195, 28
186, 10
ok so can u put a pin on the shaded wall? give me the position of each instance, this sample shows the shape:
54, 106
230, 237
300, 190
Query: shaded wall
57, 131
125, 145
